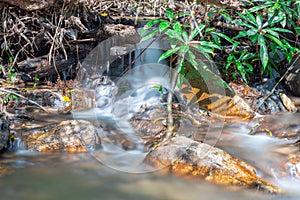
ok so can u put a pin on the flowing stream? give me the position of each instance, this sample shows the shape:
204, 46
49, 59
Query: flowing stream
79, 175
115, 173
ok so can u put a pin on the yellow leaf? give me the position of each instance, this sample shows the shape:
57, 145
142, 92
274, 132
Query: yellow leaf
66, 98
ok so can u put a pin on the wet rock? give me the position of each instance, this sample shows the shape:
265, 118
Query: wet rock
122, 30
70, 135
210, 91
37, 100
288, 103
292, 167
4, 130
293, 79
188, 158
283, 125
83, 99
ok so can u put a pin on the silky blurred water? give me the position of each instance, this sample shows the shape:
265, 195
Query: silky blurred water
78, 176
81, 176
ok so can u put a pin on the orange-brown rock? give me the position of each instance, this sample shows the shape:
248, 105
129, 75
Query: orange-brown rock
188, 158
70, 135
208, 90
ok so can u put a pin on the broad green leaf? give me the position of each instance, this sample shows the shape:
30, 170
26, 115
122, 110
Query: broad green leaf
283, 22
257, 8
227, 16
297, 29
271, 12
198, 29
185, 36
177, 27
271, 32
263, 52
180, 80
169, 13
180, 73
235, 44
254, 38
242, 16
150, 24
239, 67
247, 56
153, 22
251, 18
174, 35
259, 21
281, 30
241, 23
274, 39
241, 34
150, 35
163, 26
249, 66
210, 44
192, 58
216, 40
181, 66
273, 20
203, 49
227, 65
230, 58
222, 35
168, 54
251, 32
183, 14
209, 29
183, 49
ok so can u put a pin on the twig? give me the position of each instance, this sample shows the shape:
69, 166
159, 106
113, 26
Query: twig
273, 89
30, 101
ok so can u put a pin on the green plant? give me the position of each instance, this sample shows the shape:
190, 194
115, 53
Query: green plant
9, 69
36, 80
279, 9
241, 61
8, 97
183, 45
182, 41
263, 35
11, 74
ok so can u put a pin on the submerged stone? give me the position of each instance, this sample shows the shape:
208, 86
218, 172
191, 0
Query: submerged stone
188, 158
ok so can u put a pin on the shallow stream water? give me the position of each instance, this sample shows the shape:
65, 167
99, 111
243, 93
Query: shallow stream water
81, 176
112, 173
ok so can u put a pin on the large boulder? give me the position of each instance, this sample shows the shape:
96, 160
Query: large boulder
69, 135
188, 158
